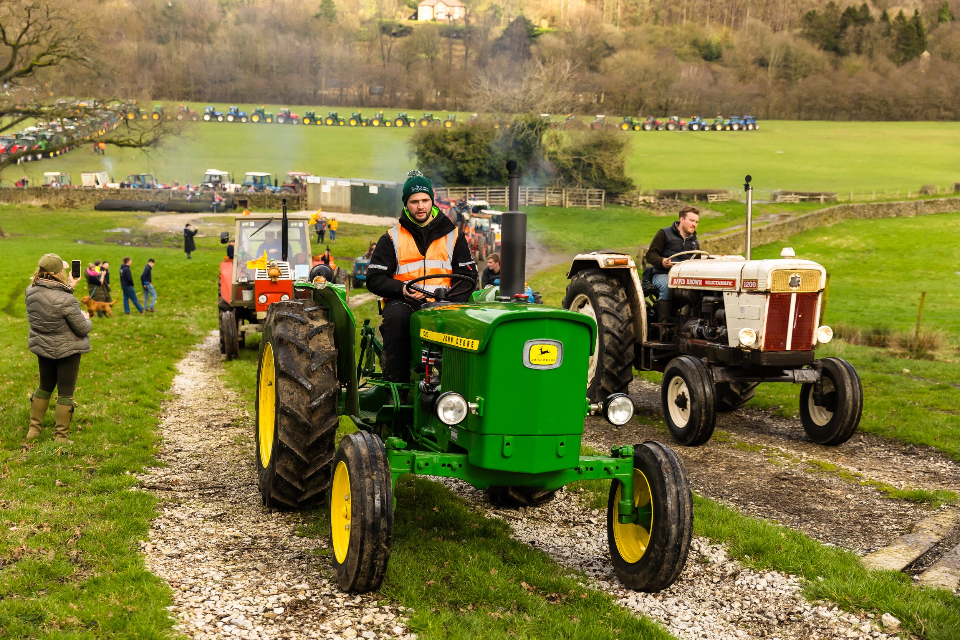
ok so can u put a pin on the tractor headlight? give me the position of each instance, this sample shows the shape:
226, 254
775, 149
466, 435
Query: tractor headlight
451, 408
748, 336
618, 409
262, 298
284, 297
824, 334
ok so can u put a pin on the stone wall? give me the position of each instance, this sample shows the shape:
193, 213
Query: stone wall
734, 242
68, 198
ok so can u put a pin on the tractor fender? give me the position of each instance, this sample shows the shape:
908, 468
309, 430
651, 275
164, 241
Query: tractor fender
628, 277
334, 298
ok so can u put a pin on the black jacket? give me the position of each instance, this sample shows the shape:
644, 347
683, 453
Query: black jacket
147, 276
126, 278
188, 243
106, 277
489, 277
667, 242
383, 262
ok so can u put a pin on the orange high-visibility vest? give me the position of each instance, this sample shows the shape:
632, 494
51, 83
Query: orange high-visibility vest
412, 264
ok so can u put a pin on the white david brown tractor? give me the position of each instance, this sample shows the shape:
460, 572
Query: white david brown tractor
734, 323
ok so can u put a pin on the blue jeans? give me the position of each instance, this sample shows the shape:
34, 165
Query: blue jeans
333, 235
149, 290
129, 293
661, 282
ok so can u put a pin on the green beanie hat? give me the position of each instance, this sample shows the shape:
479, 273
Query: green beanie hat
416, 183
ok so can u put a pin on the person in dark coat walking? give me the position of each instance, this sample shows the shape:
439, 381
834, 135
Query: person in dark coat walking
188, 244
59, 331
146, 281
105, 280
126, 285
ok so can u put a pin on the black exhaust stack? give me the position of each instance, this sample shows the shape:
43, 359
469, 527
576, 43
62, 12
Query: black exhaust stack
284, 233
513, 242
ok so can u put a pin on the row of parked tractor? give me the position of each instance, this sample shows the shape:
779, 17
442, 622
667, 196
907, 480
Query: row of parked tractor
311, 117
49, 139
673, 123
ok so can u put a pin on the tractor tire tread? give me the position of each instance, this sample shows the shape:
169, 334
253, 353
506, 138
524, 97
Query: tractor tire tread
306, 396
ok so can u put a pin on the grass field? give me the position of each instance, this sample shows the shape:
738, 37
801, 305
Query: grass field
888, 157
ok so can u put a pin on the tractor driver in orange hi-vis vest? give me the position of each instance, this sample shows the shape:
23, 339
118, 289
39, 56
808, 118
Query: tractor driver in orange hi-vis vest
422, 243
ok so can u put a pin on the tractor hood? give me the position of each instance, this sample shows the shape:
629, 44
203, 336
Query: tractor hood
733, 273
469, 326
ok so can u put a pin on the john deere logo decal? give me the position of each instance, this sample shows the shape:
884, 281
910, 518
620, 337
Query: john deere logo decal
795, 281
542, 354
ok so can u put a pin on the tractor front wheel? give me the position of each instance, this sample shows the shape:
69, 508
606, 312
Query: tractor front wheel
228, 334
356, 283
688, 401
734, 395
649, 555
243, 118
296, 404
601, 296
834, 419
361, 512
515, 497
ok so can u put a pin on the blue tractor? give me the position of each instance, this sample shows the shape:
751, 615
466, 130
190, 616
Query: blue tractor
210, 114
235, 115
699, 124
750, 123
358, 276
734, 123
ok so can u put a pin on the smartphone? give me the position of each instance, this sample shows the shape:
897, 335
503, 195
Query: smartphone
75, 268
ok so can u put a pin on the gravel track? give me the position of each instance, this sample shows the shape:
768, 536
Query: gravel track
715, 598
236, 569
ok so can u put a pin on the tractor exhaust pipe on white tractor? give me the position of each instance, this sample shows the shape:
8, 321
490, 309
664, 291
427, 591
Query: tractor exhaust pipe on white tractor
748, 188
284, 233
513, 246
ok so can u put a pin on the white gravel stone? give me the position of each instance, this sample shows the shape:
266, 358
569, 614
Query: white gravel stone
236, 569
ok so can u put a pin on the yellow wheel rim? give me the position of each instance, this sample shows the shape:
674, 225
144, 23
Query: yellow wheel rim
266, 405
632, 539
340, 511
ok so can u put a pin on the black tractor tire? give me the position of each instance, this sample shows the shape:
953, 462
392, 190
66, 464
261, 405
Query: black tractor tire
835, 421
361, 502
356, 283
229, 334
515, 497
601, 296
688, 401
734, 395
651, 559
296, 405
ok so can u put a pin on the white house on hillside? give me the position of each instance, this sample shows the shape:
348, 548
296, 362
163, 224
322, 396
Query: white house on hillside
439, 10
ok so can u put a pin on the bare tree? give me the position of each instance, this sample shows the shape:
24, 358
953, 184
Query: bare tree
533, 88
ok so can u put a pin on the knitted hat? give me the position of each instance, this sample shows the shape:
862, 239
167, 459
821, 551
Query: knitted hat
416, 183
51, 263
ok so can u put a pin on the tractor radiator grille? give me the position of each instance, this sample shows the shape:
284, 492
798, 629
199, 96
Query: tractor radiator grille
803, 281
284, 272
453, 371
791, 322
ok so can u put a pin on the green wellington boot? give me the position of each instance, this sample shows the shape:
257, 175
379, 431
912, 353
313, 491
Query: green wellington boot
38, 409
63, 414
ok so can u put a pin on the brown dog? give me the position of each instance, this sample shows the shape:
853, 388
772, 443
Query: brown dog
94, 306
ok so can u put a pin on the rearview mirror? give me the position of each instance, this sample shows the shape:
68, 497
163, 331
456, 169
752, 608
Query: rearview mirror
225, 237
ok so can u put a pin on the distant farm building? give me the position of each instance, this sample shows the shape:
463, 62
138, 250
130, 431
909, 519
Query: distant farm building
439, 10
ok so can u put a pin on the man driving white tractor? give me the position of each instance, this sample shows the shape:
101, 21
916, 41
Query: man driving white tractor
423, 243
680, 237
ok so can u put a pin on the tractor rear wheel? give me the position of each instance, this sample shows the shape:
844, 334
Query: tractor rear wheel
734, 395
297, 390
515, 497
688, 401
361, 513
230, 118
624, 126
601, 296
398, 122
650, 554
206, 117
834, 420
695, 127
647, 126
228, 334
281, 119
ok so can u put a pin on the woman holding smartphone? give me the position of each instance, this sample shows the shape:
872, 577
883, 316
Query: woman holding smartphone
58, 335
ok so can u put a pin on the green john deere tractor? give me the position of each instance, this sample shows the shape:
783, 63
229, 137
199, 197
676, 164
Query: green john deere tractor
334, 120
497, 398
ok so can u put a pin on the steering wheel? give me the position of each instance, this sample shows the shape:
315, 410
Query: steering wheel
442, 293
692, 252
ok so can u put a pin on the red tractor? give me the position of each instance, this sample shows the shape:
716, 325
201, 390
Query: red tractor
285, 117
295, 182
652, 123
270, 255
674, 123
186, 113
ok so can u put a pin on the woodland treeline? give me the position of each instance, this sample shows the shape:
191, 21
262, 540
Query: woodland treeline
804, 59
